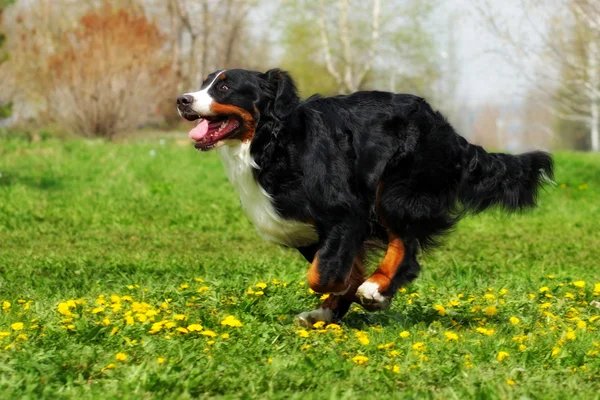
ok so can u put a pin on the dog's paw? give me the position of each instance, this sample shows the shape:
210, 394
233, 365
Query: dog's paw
308, 318
370, 297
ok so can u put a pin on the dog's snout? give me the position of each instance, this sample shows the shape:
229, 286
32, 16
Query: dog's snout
185, 100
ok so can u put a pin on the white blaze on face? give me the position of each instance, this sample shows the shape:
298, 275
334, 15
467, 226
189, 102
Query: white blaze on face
203, 100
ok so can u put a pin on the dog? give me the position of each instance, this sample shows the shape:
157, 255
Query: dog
329, 175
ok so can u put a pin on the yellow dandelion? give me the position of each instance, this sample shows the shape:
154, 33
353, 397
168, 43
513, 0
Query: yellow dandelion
305, 347
545, 306
579, 284
302, 333
360, 359
485, 331
544, 289
396, 369
64, 309
404, 334
98, 310
440, 309
208, 333
555, 351
569, 295
419, 346
225, 336
490, 311
502, 355
179, 317
503, 291
230, 320
514, 320
319, 324
114, 330
510, 382
195, 328
17, 326
597, 287
121, 356
334, 327
261, 285
184, 286
110, 366
129, 320
6, 305
4, 334
522, 347
362, 337
385, 346
450, 336
570, 334
182, 330
325, 296
581, 324
202, 289
161, 360
21, 337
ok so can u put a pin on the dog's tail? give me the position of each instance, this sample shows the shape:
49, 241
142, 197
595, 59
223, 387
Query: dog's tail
509, 181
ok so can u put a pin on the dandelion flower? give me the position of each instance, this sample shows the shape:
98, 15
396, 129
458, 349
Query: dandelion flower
305, 347
4, 334
579, 284
208, 333
335, 327
114, 330
450, 336
396, 369
514, 320
261, 285
362, 337
484, 331
545, 306
182, 330
325, 296
419, 346
161, 360
544, 289
303, 333
555, 351
360, 359
319, 324
510, 382
64, 309
225, 336
230, 320
121, 357
522, 347
404, 334
17, 326
202, 289
6, 305
502, 355
195, 328
570, 334
98, 310
490, 311
440, 309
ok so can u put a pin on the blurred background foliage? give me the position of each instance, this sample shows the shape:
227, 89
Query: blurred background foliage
106, 68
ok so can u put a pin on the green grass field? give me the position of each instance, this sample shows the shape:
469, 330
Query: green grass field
128, 270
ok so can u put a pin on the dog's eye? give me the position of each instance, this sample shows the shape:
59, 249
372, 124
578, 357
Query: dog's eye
223, 88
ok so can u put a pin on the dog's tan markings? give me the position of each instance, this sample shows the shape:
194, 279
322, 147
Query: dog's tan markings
389, 266
248, 121
222, 76
314, 281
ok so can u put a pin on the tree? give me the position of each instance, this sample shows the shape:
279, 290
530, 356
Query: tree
335, 46
5, 108
566, 51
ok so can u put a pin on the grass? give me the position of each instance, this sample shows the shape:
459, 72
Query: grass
100, 242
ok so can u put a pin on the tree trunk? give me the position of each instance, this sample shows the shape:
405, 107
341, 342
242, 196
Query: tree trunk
594, 69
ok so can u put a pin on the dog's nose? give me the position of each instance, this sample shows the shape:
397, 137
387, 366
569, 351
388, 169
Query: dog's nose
185, 100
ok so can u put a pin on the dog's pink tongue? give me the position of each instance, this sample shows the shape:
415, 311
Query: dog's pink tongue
199, 131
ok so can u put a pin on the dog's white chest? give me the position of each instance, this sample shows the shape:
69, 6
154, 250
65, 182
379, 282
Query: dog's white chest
257, 203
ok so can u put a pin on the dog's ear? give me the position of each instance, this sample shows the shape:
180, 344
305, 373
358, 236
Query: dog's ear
281, 92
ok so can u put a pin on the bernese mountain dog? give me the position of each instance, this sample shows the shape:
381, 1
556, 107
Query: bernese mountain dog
329, 175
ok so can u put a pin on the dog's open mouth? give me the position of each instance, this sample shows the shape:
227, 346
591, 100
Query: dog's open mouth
209, 131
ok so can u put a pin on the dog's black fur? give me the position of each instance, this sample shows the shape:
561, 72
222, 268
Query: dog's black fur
358, 166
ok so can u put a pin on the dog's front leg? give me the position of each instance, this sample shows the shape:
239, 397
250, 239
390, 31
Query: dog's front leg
337, 270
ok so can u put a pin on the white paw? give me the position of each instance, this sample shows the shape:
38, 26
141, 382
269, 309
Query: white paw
369, 295
308, 318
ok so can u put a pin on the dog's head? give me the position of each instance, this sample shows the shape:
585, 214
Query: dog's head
232, 104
